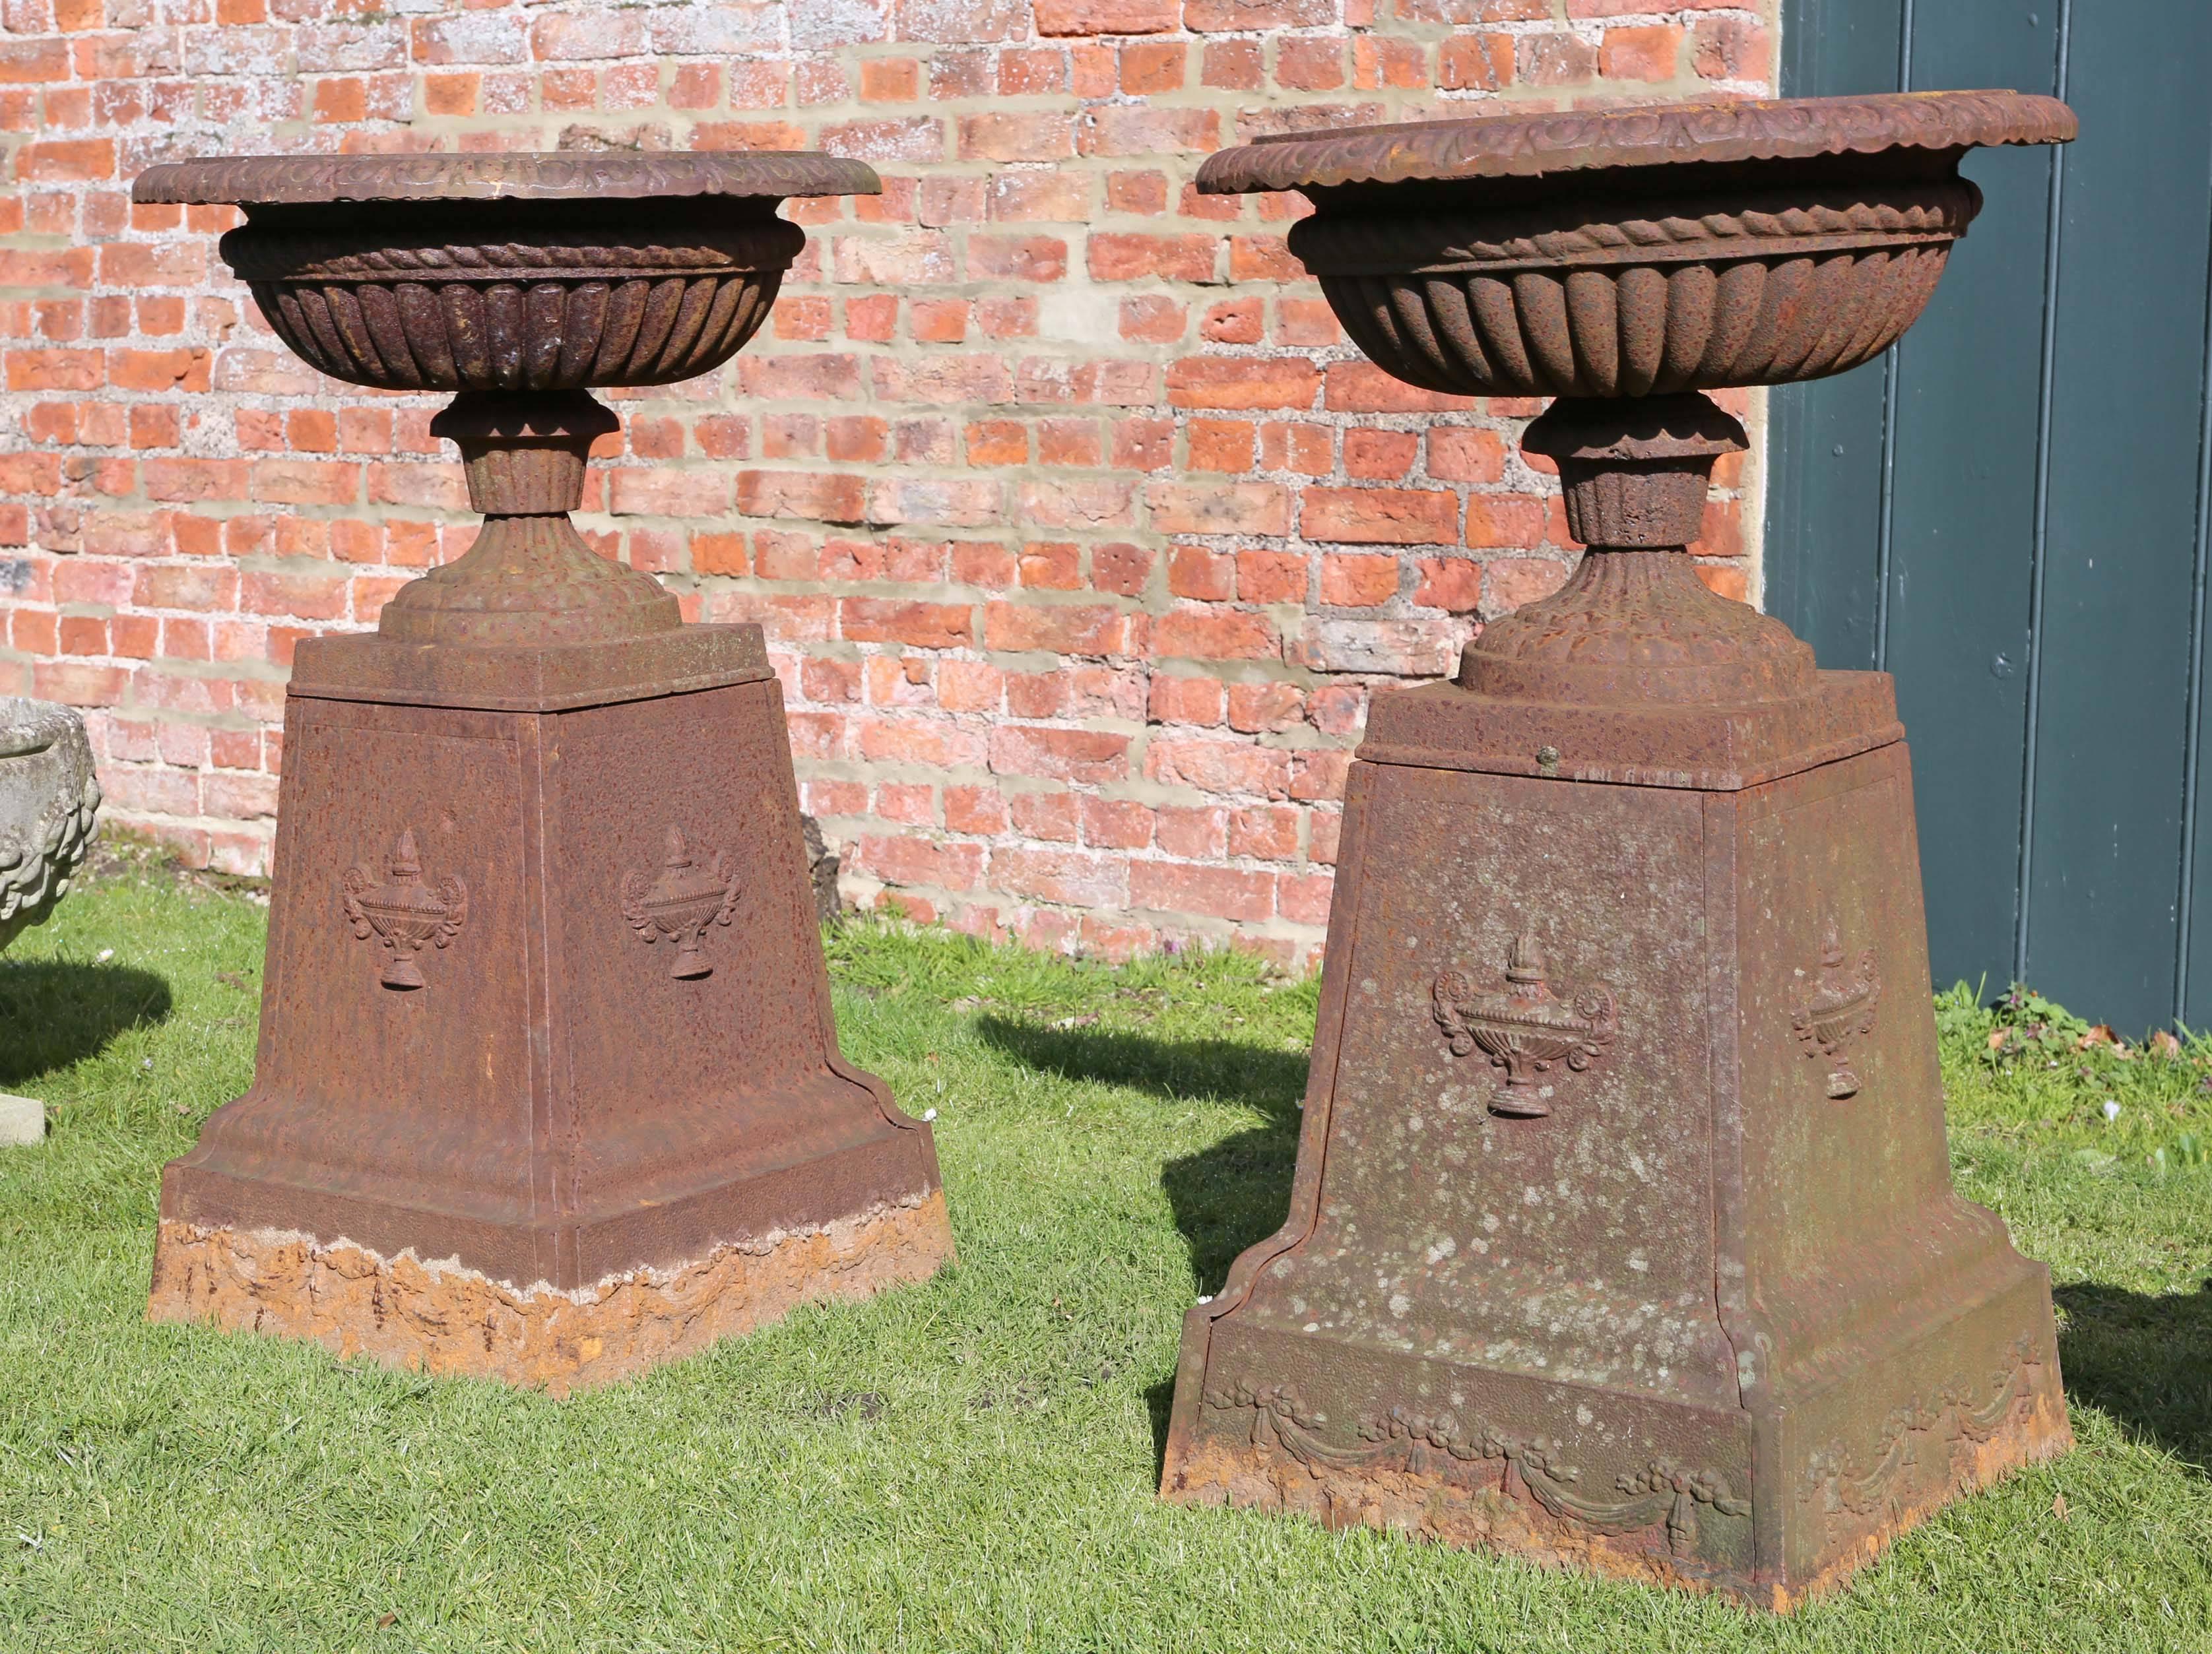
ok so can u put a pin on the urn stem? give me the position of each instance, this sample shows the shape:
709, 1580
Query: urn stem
529, 580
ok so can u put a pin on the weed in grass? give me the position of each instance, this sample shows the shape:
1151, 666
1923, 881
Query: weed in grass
969, 1465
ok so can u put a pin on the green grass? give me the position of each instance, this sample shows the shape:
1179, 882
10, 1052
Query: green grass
970, 1464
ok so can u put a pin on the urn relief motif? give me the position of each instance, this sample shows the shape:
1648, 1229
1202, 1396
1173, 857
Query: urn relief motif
1525, 1027
681, 904
404, 914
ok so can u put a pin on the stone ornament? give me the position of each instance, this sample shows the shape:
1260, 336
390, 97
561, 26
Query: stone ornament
49, 799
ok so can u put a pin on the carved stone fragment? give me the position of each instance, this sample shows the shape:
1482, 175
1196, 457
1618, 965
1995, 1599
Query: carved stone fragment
49, 798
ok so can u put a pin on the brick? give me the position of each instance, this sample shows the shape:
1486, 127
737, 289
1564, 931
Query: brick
573, 36
823, 496
912, 859
1640, 54
1062, 18
1241, 16
1197, 700
668, 492
1123, 569
1078, 878
1363, 388
1554, 59
923, 625
1034, 258
1358, 582
1127, 256
1190, 887
1730, 49
1213, 633
1398, 517
1260, 508
1066, 629
1732, 583
1147, 130
1012, 136
1084, 503
1242, 382
1091, 756
1380, 456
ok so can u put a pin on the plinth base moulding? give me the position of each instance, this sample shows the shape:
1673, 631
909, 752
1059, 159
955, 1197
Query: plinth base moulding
442, 1318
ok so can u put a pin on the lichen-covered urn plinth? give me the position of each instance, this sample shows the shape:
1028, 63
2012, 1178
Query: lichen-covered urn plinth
548, 1087
1622, 1235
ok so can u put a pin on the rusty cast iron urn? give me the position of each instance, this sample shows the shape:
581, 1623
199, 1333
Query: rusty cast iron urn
548, 1087
1622, 1234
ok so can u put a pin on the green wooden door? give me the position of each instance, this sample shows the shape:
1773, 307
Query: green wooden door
2009, 511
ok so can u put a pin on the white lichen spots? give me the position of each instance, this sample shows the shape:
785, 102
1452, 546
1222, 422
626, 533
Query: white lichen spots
1443, 1250
1367, 986
1479, 1248
1584, 1416
1490, 1222
1636, 1164
1747, 1369
1638, 1261
1532, 1196
1399, 1304
1313, 1326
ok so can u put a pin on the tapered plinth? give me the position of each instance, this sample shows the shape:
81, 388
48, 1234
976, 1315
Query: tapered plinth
1623, 1234
548, 1088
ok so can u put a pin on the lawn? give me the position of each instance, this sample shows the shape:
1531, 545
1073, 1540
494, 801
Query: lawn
970, 1464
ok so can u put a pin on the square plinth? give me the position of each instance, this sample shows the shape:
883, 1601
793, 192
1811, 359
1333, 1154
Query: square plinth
548, 1087
1622, 1233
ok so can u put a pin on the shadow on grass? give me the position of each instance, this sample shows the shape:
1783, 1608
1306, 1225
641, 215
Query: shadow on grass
2146, 1360
55, 1012
1224, 1198
1205, 1071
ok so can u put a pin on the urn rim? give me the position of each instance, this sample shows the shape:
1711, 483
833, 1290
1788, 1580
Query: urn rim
557, 175
1698, 132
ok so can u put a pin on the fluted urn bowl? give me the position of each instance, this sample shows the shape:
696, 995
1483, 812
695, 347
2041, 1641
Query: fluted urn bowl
520, 282
593, 269
1638, 252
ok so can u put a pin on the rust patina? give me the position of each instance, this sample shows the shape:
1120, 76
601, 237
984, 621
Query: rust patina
548, 1088
1622, 1233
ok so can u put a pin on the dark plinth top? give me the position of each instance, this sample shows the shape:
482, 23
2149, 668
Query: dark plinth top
305, 180
1655, 134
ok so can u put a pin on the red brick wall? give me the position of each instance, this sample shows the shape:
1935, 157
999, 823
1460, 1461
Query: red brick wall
1081, 536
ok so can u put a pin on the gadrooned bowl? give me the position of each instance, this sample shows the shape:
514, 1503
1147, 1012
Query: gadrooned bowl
512, 273
1638, 252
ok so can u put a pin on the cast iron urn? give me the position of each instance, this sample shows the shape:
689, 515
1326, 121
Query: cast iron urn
1622, 1233
542, 1093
